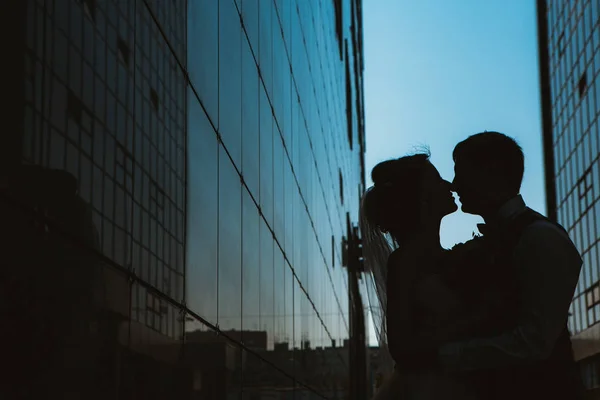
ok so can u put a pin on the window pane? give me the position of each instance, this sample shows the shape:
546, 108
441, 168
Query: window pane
202, 213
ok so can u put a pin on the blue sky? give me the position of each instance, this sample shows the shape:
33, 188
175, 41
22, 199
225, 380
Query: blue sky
437, 71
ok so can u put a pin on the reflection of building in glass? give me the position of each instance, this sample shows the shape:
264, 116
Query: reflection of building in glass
284, 92
217, 155
569, 37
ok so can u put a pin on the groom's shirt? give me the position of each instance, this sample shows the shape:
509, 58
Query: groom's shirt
548, 267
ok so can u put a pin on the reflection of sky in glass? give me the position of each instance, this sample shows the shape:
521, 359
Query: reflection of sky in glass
438, 71
285, 132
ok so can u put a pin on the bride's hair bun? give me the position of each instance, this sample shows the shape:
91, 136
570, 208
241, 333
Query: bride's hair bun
391, 203
385, 173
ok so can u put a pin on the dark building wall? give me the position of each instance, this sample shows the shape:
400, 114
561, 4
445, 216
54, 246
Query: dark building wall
216, 149
574, 62
106, 103
569, 37
13, 42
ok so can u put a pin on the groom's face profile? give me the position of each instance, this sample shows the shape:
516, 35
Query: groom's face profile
488, 170
470, 186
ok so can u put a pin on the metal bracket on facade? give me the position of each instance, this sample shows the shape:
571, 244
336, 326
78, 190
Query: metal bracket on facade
132, 277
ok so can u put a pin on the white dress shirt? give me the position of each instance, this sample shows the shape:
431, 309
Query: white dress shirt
548, 267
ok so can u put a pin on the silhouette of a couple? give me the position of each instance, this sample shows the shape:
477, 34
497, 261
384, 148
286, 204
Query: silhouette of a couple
488, 318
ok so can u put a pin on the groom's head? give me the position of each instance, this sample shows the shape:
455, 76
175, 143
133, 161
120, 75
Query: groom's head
488, 171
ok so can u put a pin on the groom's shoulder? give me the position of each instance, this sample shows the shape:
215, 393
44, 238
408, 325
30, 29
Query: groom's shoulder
542, 231
534, 223
529, 222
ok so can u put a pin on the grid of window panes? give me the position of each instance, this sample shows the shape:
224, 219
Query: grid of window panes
106, 103
218, 145
574, 54
590, 372
274, 89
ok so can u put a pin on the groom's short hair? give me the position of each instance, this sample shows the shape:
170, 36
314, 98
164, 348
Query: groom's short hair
496, 154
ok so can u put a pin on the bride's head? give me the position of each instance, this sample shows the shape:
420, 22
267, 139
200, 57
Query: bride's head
408, 195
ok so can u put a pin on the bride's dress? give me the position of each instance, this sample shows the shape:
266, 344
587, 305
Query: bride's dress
434, 310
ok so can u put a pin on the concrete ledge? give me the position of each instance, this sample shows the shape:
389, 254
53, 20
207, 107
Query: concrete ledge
586, 343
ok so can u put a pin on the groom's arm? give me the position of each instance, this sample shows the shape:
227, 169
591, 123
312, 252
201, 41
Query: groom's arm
548, 265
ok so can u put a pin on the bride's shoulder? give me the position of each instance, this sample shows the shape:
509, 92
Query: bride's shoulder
407, 259
404, 254
402, 267
394, 257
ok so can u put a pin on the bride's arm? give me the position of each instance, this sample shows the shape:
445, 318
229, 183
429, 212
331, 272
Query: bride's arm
451, 317
404, 342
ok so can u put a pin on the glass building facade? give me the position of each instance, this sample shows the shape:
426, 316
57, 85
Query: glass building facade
569, 35
180, 184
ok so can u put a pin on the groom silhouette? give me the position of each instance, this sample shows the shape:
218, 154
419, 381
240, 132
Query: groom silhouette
523, 351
